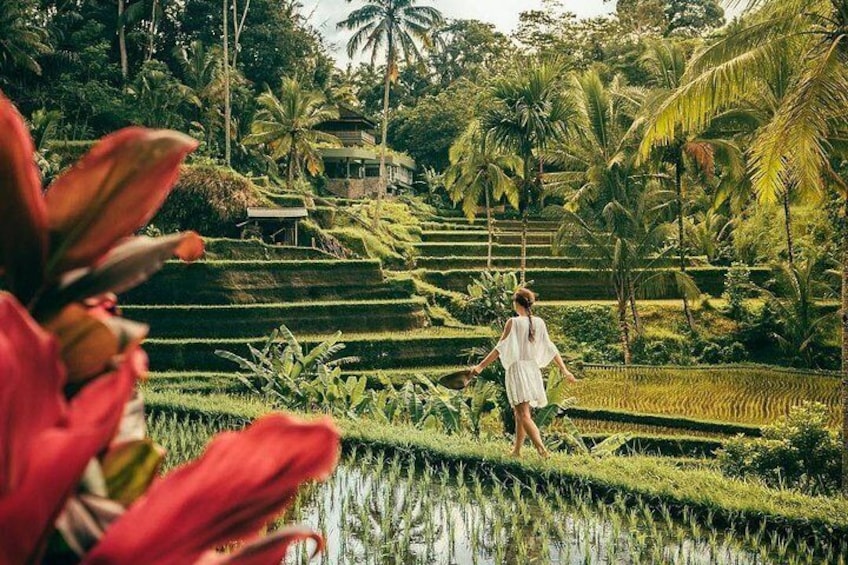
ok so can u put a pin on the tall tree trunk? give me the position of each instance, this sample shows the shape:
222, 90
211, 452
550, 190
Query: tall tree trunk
227, 107
122, 41
491, 229
525, 205
382, 187
290, 168
151, 37
624, 326
637, 320
787, 214
681, 241
844, 313
238, 27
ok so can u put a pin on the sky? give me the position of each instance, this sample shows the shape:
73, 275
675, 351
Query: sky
325, 14
503, 13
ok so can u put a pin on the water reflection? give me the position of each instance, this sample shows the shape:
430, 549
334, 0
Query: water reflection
377, 510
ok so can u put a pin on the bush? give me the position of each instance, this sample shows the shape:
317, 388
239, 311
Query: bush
490, 298
737, 288
798, 452
210, 200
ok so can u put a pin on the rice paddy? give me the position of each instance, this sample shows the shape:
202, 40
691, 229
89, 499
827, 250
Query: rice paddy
735, 394
379, 508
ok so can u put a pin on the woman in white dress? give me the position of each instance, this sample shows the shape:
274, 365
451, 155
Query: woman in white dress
524, 349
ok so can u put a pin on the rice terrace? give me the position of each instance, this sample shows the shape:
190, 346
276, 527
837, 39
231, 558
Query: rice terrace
424, 282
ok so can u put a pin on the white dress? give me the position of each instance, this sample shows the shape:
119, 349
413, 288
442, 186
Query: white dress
523, 360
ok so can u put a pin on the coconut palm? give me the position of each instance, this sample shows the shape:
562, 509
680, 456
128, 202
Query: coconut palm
808, 128
691, 158
21, 38
480, 170
613, 212
530, 110
285, 125
396, 26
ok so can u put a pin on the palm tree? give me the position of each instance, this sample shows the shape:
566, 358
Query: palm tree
396, 26
480, 169
692, 154
286, 126
808, 128
613, 213
530, 110
21, 38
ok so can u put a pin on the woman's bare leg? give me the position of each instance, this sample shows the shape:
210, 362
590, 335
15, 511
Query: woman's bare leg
531, 429
520, 433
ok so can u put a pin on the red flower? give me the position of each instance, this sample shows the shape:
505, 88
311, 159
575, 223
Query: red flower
45, 441
240, 482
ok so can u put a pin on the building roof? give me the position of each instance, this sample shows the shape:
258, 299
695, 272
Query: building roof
348, 115
258, 213
368, 154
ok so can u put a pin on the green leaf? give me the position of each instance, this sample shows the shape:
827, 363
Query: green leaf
129, 469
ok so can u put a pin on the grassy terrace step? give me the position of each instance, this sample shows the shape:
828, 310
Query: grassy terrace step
255, 250
532, 223
430, 347
251, 282
587, 284
472, 249
250, 320
475, 236
542, 262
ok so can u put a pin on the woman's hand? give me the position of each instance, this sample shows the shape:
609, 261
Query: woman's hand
569, 376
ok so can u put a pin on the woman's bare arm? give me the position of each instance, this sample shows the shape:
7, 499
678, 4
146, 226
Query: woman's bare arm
566, 373
494, 354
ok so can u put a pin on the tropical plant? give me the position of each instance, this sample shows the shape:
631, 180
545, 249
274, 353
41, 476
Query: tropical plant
529, 112
480, 169
692, 159
286, 126
798, 451
801, 321
396, 26
807, 129
614, 214
79, 471
489, 299
281, 371
22, 40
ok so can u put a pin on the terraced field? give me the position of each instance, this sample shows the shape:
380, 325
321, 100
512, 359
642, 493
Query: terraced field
244, 290
735, 394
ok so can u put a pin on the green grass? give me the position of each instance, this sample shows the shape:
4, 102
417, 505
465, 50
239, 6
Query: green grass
245, 321
739, 394
698, 488
475, 236
472, 249
533, 262
587, 284
255, 250
430, 347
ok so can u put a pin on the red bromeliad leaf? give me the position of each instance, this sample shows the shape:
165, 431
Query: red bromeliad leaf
242, 480
45, 442
109, 194
23, 229
269, 550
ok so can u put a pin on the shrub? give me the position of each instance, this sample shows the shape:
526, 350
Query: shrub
798, 452
737, 287
490, 298
210, 200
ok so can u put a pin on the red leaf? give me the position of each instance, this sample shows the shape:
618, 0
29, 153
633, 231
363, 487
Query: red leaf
46, 443
241, 481
113, 191
269, 550
23, 217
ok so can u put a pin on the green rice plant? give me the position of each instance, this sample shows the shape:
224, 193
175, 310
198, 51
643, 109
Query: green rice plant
743, 394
